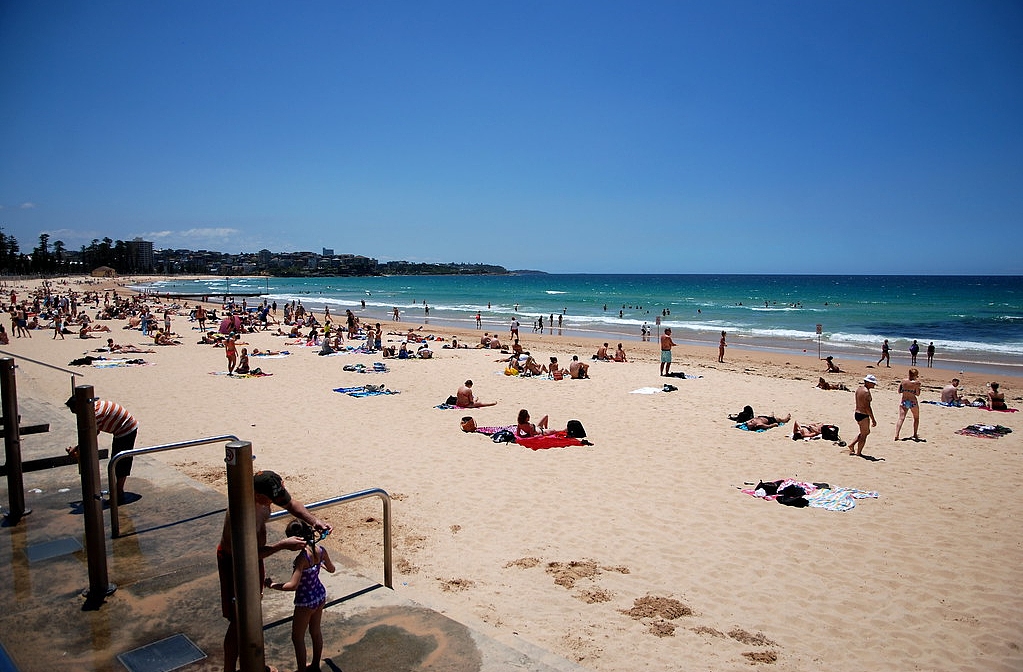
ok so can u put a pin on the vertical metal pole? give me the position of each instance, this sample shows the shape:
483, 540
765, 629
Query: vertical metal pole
241, 511
12, 442
92, 501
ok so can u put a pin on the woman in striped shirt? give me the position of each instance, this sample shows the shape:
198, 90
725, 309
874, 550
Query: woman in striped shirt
122, 425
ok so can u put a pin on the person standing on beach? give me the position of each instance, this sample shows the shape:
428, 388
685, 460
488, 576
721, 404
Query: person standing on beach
514, 328
479, 321
721, 348
666, 345
910, 389
231, 351
864, 415
200, 317
886, 355
267, 488
914, 350
930, 354
122, 425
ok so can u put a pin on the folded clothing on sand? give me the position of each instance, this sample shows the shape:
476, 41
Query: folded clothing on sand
984, 431
817, 495
258, 374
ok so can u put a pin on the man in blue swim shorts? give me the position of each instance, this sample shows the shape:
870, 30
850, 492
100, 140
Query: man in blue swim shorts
666, 345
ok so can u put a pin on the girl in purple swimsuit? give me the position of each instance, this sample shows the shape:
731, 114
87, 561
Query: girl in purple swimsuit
310, 595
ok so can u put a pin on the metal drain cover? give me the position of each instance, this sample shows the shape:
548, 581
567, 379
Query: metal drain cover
163, 656
52, 549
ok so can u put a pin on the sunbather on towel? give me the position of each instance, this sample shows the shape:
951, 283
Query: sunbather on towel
766, 422
524, 427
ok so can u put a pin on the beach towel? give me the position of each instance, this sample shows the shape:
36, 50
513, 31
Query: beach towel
647, 390
837, 499
281, 355
362, 391
984, 431
240, 375
449, 406
998, 410
945, 404
117, 363
742, 426
490, 431
684, 376
558, 440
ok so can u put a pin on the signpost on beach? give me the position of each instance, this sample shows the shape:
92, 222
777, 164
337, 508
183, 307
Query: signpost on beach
820, 330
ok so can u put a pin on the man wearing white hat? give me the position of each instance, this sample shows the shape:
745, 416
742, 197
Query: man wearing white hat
864, 414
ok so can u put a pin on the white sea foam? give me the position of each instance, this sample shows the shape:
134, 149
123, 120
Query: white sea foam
554, 291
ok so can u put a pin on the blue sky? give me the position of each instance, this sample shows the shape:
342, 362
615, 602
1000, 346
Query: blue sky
669, 137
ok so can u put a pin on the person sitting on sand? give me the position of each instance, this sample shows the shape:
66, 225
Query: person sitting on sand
325, 348
766, 422
160, 338
466, 399
484, 339
950, 394
554, 369
602, 355
832, 367
825, 385
84, 332
996, 399
243, 362
424, 352
577, 369
495, 343
620, 354
526, 364
524, 428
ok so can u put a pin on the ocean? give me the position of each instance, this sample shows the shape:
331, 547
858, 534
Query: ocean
975, 322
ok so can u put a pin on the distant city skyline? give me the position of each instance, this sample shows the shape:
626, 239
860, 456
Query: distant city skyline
652, 137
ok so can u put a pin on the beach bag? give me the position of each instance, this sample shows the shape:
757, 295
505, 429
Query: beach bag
468, 424
511, 372
829, 432
452, 401
575, 430
503, 436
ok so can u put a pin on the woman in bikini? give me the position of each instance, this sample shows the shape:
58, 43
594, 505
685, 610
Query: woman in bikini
910, 389
526, 428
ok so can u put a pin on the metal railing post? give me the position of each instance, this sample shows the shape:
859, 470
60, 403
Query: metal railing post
241, 512
92, 501
12, 442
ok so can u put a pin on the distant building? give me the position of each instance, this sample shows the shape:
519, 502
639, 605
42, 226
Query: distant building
264, 258
140, 255
328, 252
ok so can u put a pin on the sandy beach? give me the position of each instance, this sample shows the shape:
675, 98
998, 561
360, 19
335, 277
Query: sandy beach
639, 552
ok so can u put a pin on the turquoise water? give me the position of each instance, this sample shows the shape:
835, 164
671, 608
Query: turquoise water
970, 319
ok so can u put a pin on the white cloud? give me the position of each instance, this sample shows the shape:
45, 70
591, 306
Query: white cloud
201, 233
27, 205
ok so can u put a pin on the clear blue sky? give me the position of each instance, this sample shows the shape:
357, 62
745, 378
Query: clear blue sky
568, 136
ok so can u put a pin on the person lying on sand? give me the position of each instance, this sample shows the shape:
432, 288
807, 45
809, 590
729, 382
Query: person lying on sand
113, 347
809, 431
766, 422
825, 385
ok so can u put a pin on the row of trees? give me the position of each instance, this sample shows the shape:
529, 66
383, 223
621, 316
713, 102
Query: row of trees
49, 258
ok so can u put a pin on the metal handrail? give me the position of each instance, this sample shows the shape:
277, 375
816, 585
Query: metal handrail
362, 494
115, 523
